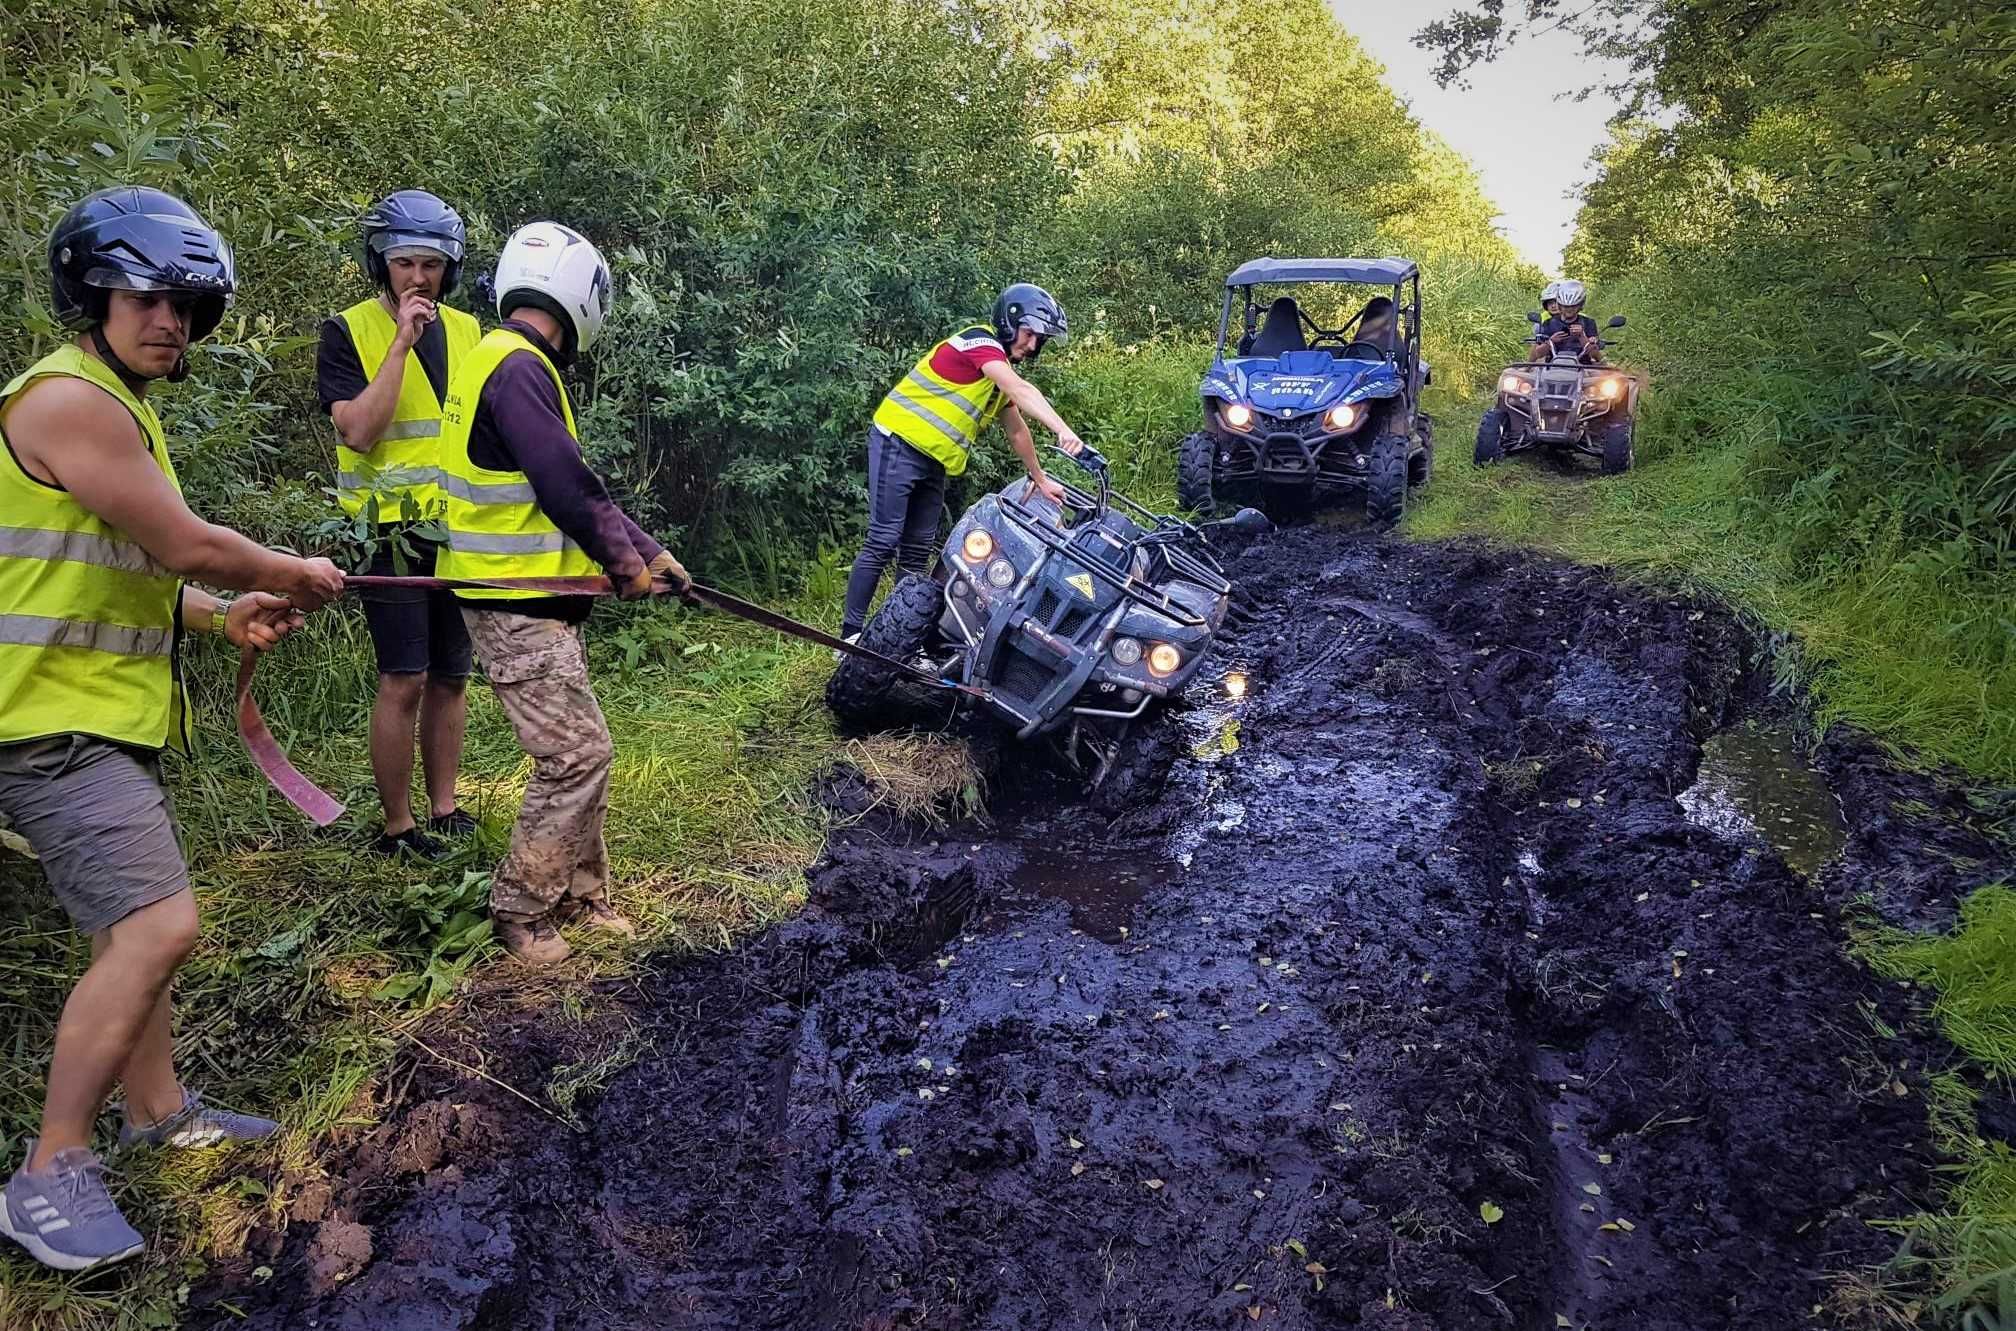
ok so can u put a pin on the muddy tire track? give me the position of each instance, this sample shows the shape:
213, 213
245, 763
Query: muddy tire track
1398, 994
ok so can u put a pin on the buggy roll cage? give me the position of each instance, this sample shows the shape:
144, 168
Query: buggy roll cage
1162, 531
1402, 275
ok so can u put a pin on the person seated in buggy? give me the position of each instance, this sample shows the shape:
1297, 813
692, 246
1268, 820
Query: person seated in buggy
1568, 331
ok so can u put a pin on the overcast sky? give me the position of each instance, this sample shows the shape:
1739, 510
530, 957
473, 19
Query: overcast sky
1531, 188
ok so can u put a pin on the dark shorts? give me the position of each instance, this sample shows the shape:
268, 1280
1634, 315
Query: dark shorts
100, 821
415, 631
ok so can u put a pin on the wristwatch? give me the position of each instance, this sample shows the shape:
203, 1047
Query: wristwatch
217, 617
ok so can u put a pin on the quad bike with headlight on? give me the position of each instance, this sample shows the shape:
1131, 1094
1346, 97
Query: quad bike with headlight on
1295, 412
1566, 404
1068, 619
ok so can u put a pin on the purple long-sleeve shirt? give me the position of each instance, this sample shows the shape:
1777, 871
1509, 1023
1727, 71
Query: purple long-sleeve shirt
519, 426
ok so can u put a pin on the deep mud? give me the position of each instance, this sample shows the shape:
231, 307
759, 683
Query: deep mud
1401, 992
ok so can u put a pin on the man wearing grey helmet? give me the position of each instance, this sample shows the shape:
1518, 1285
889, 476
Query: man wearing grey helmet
931, 419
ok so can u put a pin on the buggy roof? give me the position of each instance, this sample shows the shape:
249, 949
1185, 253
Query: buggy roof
1372, 272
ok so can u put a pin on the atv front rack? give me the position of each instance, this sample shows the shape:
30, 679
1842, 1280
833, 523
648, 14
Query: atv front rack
1189, 565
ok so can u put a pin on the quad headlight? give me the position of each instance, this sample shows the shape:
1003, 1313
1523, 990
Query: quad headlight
978, 546
1514, 385
1000, 573
1164, 660
1609, 387
1238, 415
1342, 417
1126, 651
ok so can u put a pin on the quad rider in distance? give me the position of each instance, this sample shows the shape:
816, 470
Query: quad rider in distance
1568, 331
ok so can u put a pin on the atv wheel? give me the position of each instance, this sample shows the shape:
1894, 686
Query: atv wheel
1490, 438
866, 693
1194, 459
1617, 453
1421, 466
1386, 480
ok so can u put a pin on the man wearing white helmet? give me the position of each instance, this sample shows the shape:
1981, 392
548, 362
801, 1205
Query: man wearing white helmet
522, 503
1567, 330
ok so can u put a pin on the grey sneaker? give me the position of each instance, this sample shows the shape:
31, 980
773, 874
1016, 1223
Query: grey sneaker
64, 1216
196, 1124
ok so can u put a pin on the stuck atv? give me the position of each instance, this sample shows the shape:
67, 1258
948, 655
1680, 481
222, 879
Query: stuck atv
1298, 412
1067, 620
1564, 404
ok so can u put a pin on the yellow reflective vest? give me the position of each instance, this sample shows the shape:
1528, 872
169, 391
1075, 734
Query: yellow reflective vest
937, 417
88, 619
495, 526
404, 463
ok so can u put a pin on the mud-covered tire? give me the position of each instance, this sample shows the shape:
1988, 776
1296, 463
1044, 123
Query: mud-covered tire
1490, 439
1386, 480
865, 693
1421, 466
1617, 448
1194, 459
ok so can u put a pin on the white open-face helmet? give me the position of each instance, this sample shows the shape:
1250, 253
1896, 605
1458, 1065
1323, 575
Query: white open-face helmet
1571, 293
1552, 291
555, 269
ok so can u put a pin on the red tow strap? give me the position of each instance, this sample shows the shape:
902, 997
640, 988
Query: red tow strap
322, 808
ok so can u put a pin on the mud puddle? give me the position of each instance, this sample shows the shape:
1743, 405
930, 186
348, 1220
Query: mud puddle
1755, 786
1399, 992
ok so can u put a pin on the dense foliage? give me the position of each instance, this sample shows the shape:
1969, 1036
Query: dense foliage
795, 198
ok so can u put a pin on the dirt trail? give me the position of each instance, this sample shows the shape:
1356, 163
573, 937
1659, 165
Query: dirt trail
1400, 993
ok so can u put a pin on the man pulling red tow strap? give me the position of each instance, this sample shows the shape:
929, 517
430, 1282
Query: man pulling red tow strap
322, 808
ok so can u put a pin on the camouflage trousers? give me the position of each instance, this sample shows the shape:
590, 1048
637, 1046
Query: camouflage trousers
538, 668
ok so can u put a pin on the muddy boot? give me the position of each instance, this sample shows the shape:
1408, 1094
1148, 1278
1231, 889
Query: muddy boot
537, 942
601, 915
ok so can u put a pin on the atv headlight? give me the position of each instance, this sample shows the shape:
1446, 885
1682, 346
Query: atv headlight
1238, 415
1126, 651
1000, 573
979, 546
1341, 417
1164, 660
1514, 385
1610, 387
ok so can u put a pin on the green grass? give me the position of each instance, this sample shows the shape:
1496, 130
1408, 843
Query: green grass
317, 957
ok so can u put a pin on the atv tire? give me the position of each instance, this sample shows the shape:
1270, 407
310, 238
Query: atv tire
867, 694
1617, 450
1490, 438
1195, 457
1386, 480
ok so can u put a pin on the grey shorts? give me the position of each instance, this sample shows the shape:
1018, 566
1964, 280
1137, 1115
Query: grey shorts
100, 819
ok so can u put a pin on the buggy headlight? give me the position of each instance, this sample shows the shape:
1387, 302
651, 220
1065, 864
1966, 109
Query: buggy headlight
1126, 651
1610, 387
1341, 417
1164, 660
1000, 573
979, 546
1513, 384
1238, 415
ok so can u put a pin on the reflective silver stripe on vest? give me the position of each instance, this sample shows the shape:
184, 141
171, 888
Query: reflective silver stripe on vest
916, 380
37, 631
389, 478
491, 543
397, 430
77, 547
503, 492
946, 428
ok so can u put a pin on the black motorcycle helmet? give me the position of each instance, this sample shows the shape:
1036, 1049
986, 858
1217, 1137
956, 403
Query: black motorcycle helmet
1026, 305
132, 238
413, 217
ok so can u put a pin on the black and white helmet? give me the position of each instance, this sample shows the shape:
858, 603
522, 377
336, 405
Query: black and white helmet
132, 238
412, 219
556, 269
1026, 305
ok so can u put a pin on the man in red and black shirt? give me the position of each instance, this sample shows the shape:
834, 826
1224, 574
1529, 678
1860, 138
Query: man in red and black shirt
931, 419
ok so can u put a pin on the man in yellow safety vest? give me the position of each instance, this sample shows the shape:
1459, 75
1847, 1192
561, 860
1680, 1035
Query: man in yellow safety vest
522, 503
929, 422
95, 546
381, 371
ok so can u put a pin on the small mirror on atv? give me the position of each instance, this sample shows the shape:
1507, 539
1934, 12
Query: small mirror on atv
1532, 316
1246, 519
1616, 321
